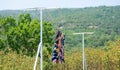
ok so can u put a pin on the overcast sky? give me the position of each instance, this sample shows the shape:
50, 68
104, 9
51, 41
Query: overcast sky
22, 4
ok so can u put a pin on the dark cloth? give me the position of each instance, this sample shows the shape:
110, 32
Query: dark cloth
55, 53
62, 40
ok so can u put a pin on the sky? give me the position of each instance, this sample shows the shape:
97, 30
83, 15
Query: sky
24, 4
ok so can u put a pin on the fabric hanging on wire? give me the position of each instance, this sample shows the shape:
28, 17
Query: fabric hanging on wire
58, 50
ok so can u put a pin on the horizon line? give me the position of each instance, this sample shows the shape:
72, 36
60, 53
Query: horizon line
61, 7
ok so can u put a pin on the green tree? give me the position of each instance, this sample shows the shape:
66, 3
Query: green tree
6, 24
27, 36
24, 18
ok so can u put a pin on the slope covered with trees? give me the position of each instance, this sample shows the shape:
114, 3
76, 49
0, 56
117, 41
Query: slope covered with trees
103, 21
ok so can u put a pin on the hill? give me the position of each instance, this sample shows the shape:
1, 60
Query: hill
103, 21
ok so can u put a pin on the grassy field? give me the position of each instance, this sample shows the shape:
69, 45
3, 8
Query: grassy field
107, 58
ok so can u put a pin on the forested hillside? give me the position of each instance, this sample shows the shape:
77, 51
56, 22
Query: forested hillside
103, 21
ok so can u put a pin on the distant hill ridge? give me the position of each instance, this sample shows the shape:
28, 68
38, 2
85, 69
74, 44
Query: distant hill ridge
103, 20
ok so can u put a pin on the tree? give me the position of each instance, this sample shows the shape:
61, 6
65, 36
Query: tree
6, 24
26, 36
24, 18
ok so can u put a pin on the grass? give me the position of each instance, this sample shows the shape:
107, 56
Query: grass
96, 59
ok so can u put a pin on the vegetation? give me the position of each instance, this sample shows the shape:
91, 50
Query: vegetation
24, 34
107, 58
20, 36
103, 20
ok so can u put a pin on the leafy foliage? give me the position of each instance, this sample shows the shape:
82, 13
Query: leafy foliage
25, 35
